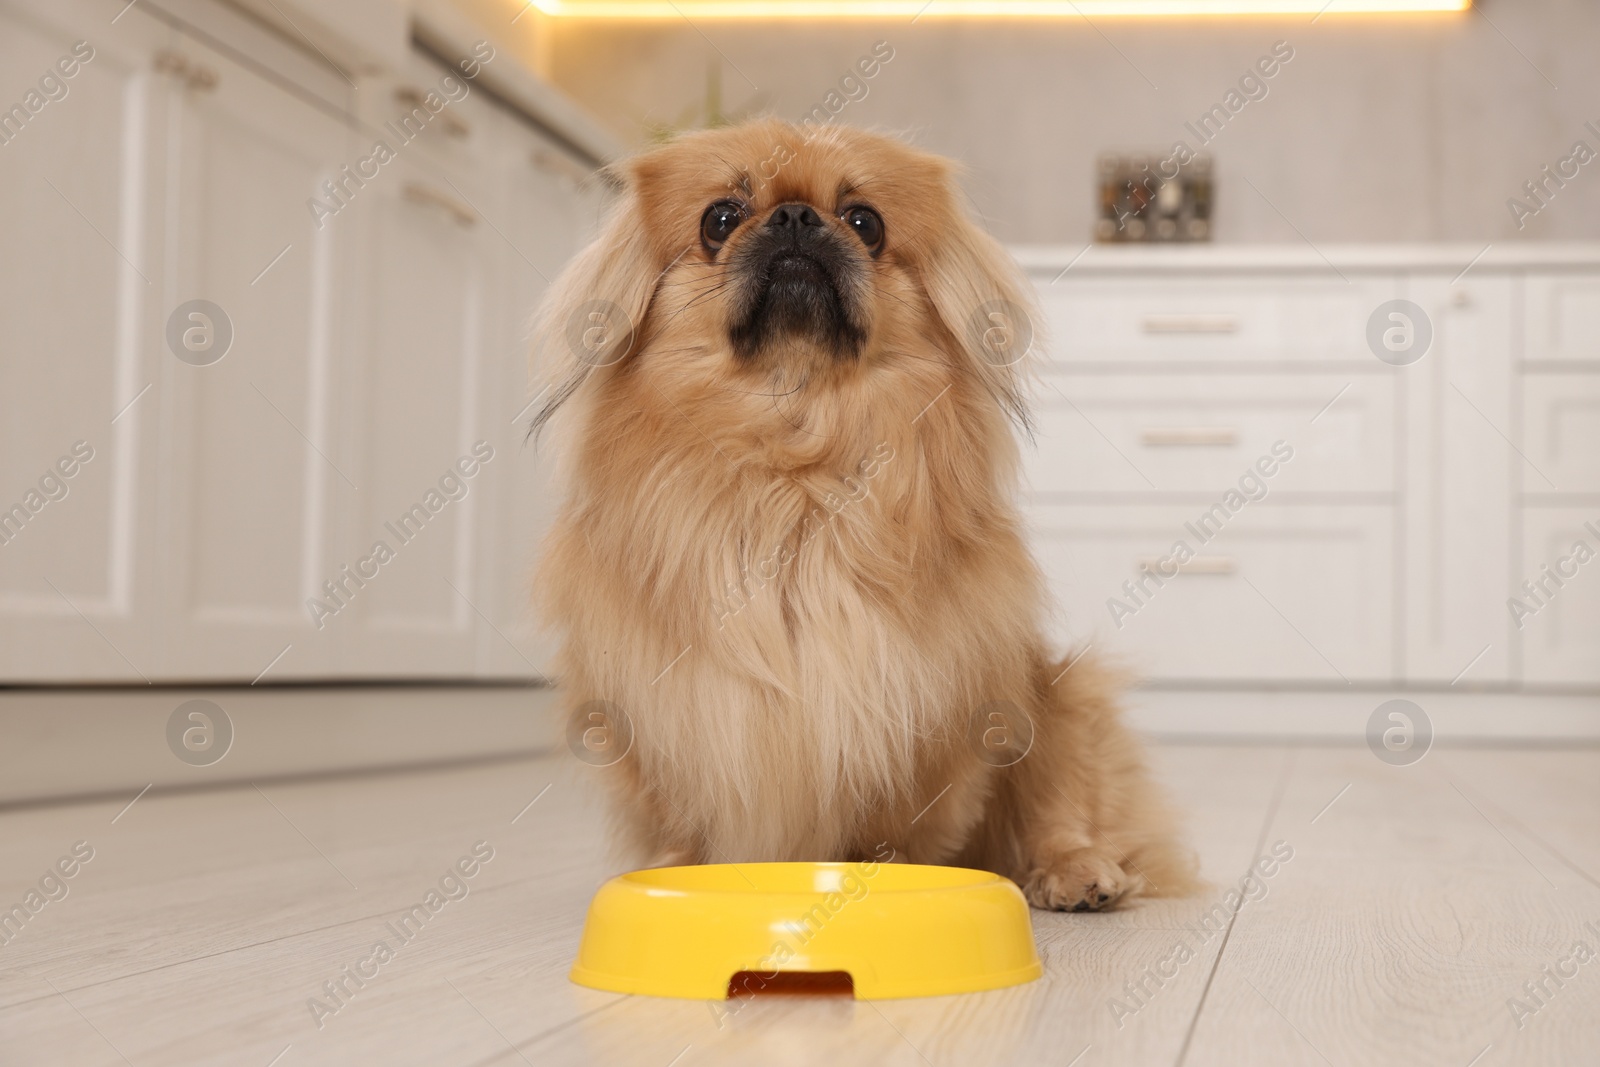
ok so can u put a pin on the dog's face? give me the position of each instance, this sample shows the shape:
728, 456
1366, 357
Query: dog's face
772, 260
790, 255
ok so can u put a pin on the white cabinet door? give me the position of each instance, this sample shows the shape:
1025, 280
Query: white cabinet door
81, 271
553, 206
1561, 434
1563, 315
1556, 614
422, 310
1460, 468
252, 471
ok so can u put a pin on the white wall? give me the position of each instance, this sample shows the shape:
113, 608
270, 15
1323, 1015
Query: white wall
1379, 129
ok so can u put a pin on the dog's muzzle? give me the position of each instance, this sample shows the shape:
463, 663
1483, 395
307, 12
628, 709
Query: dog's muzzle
797, 279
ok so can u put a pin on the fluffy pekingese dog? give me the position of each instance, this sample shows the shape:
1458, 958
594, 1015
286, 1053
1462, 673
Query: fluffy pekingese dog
788, 571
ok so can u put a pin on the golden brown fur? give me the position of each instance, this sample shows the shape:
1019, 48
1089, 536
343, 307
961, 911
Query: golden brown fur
800, 573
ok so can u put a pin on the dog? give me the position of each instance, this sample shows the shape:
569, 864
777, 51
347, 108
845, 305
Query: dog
786, 384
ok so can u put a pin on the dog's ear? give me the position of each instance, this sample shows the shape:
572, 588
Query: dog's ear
592, 316
986, 304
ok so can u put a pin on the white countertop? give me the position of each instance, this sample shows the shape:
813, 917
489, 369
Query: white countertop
368, 36
445, 27
1187, 258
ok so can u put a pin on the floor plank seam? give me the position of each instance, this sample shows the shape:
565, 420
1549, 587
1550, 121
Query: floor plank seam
1538, 839
1290, 753
521, 755
551, 1032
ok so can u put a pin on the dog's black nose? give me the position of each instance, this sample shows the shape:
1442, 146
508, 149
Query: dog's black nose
796, 220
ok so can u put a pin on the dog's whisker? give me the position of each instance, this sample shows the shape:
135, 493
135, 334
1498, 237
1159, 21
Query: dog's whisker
757, 392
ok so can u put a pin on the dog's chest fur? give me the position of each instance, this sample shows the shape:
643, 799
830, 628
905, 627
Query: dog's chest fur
817, 632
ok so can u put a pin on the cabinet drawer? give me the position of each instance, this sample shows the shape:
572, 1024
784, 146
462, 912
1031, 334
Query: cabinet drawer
1204, 432
1557, 623
1220, 319
1561, 432
1277, 592
1564, 317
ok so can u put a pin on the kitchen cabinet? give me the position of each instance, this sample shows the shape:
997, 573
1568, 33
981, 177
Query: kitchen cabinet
1423, 491
349, 362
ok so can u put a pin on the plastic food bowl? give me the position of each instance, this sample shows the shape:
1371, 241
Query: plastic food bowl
877, 930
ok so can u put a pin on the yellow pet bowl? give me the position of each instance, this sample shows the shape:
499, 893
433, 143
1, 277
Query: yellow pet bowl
879, 930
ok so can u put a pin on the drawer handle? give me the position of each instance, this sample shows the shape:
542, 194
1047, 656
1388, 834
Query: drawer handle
171, 63
1191, 324
418, 193
413, 99
194, 75
1195, 565
1167, 436
559, 165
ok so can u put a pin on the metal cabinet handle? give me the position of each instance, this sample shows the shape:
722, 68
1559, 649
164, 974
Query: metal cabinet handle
1191, 324
1195, 565
177, 65
561, 166
171, 63
1167, 436
418, 193
453, 124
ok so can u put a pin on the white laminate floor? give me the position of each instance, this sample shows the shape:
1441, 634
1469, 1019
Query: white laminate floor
1417, 903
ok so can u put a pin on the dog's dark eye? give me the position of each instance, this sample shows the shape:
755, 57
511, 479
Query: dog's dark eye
719, 222
868, 225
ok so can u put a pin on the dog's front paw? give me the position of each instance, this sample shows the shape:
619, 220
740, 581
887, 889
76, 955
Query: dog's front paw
1085, 879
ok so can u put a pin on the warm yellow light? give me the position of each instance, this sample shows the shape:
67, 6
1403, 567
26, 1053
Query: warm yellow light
910, 9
